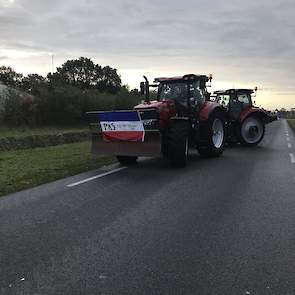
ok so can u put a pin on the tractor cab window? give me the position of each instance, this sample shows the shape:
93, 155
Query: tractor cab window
244, 99
223, 99
175, 91
238, 104
197, 95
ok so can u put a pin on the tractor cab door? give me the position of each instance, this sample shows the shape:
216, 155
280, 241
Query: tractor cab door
197, 96
238, 103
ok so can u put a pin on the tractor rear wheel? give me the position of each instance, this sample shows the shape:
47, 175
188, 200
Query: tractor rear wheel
215, 136
252, 131
127, 160
177, 144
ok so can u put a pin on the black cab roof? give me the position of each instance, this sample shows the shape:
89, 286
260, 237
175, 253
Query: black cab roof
185, 78
231, 91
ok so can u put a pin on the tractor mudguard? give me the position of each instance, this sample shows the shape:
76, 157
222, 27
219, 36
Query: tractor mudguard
207, 109
258, 112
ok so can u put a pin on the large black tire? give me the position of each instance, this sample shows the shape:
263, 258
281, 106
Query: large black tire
127, 160
251, 131
177, 143
214, 133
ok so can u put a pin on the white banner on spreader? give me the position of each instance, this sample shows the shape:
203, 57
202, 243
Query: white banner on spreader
121, 126
117, 126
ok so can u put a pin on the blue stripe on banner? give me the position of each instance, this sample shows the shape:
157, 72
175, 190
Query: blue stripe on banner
119, 116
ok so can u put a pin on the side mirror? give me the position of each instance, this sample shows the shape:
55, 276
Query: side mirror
142, 88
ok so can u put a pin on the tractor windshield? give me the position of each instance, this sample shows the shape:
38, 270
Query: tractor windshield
175, 91
181, 91
223, 99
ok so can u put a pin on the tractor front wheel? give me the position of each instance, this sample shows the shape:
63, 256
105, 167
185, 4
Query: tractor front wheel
127, 160
177, 144
215, 136
252, 131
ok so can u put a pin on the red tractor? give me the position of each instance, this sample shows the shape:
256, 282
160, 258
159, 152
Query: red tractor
245, 122
181, 117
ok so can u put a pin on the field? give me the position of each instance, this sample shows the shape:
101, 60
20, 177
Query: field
27, 168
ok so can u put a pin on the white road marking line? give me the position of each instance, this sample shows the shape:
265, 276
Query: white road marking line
288, 138
289, 145
95, 177
292, 158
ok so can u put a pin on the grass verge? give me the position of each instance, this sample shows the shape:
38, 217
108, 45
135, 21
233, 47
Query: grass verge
28, 168
6, 131
291, 122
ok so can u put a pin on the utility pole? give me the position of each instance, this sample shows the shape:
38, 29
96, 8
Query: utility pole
52, 63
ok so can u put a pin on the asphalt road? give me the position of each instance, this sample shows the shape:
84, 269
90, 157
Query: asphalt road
219, 226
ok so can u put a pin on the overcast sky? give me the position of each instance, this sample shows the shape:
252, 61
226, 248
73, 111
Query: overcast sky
242, 43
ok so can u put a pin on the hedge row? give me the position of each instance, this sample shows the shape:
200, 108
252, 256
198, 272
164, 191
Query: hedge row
34, 141
62, 105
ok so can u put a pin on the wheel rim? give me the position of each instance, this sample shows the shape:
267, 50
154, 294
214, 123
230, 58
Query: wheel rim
217, 133
252, 130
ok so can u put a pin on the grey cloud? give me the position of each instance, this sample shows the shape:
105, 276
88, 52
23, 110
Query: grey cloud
235, 38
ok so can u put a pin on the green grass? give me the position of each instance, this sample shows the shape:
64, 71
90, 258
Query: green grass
17, 132
28, 168
292, 123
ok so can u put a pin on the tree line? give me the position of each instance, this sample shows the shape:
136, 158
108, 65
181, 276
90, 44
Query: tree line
64, 96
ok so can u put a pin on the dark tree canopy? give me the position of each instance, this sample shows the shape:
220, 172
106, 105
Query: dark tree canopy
32, 83
110, 81
84, 74
80, 72
9, 77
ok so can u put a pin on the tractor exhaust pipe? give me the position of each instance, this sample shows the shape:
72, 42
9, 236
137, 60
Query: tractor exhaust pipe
147, 89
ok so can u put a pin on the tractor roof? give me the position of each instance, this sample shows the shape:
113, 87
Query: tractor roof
229, 91
182, 78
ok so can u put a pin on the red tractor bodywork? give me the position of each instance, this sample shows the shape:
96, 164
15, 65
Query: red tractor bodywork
255, 111
207, 109
167, 110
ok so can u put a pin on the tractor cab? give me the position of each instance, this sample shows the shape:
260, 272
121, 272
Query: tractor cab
235, 101
186, 92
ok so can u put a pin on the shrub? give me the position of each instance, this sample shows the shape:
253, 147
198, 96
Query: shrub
18, 108
61, 105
